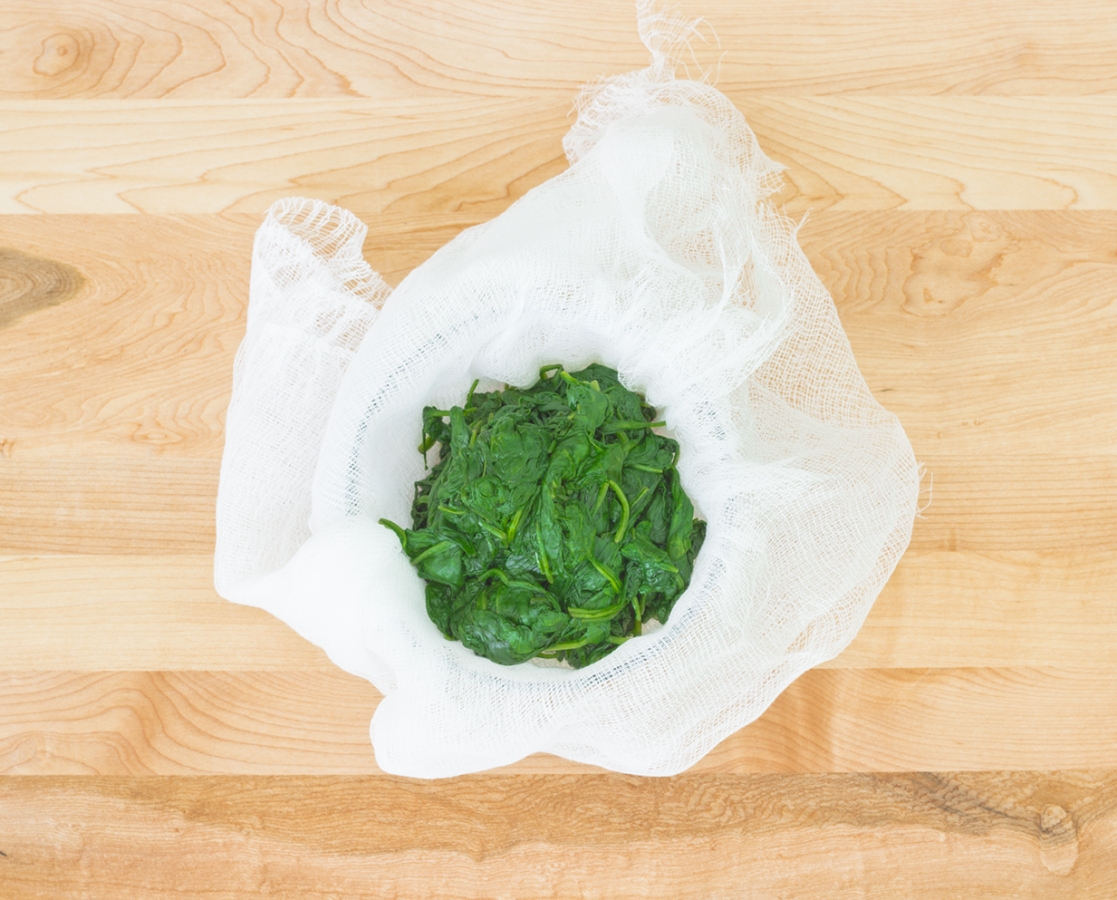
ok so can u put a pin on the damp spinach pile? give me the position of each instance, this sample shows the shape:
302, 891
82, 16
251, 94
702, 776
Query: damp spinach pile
554, 524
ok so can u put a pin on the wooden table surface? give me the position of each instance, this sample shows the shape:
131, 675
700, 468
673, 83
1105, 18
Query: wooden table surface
959, 162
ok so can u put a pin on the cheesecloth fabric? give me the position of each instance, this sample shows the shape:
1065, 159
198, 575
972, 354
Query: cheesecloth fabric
656, 253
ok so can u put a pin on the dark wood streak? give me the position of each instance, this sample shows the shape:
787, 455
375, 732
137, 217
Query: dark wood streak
30, 283
687, 837
469, 814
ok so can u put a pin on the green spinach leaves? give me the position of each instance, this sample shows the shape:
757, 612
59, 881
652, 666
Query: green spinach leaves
554, 524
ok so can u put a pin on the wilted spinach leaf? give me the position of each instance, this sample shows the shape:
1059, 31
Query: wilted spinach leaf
554, 523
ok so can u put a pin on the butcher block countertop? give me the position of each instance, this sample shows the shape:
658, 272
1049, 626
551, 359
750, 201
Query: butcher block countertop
958, 161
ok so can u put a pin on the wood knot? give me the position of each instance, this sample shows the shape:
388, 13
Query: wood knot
1058, 840
29, 283
60, 52
957, 268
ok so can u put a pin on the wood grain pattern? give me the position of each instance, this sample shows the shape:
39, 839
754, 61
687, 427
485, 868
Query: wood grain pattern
107, 505
166, 505
28, 284
137, 612
415, 156
315, 722
980, 330
143, 723
240, 156
942, 609
285, 48
1003, 577
138, 360
964, 609
957, 162
1001, 836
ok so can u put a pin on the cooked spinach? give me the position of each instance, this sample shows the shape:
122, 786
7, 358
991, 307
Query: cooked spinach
554, 524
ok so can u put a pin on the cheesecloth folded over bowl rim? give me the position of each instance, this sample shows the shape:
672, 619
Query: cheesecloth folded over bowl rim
658, 253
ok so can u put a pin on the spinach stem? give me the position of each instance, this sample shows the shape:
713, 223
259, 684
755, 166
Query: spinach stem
400, 533
542, 553
489, 527
579, 612
493, 530
437, 548
624, 510
607, 575
600, 497
569, 645
515, 524
522, 585
631, 426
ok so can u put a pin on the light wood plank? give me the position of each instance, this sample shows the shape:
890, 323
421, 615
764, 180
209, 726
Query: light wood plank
108, 505
1042, 505
168, 506
1028, 295
125, 335
315, 722
305, 722
898, 720
289, 49
404, 155
932, 837
967, 609
123, 48
137, 613
941, 609
964, 153
420, 155
987, 333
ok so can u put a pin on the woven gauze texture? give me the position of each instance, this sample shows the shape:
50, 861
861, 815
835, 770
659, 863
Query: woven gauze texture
657, 253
